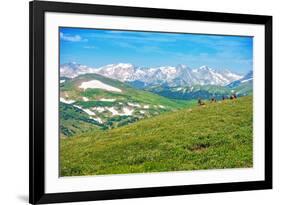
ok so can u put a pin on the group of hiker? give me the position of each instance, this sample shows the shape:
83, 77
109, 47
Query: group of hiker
213, 99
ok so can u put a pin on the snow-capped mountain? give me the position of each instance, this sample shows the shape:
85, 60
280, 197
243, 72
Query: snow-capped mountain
248, 78
121, 71
73, 69
180, 75
209, 76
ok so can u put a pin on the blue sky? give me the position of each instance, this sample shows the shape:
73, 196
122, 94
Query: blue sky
96, 48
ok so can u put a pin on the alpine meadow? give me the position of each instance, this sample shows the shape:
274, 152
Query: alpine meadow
143, 102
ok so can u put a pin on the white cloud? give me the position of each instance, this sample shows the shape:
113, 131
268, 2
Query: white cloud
71, 38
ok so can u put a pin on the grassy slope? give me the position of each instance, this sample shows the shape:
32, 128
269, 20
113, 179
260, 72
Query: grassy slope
216, 136
73, 120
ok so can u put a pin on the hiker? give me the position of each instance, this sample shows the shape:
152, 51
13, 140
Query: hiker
213, 99
223, 98
233, 97
200, 102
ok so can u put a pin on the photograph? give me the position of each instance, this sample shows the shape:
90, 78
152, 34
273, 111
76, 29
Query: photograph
133, 102
149, 101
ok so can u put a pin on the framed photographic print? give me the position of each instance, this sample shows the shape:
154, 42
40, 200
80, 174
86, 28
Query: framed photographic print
141, 102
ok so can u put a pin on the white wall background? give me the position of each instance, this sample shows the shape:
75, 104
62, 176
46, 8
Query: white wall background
14, 100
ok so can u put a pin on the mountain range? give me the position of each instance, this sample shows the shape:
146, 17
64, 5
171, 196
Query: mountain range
175, 82
172, 76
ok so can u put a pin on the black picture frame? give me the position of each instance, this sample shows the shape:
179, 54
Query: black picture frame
37, 194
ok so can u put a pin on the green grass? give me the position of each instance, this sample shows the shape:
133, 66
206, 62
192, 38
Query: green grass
216, 136
73, 121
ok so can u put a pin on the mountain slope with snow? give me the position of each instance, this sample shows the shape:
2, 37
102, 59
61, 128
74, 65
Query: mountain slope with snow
248, 78
92, 101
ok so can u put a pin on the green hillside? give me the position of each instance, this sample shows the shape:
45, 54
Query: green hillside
214, 136
83, 110
71, 87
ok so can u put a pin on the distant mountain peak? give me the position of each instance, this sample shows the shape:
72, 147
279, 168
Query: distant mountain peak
182, 66
72, 63
124, 65
73, 69
204, 67
248, 78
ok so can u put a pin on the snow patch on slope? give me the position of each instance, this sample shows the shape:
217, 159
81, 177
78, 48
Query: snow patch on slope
85, 99
107, 100
98, 85
66, 101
